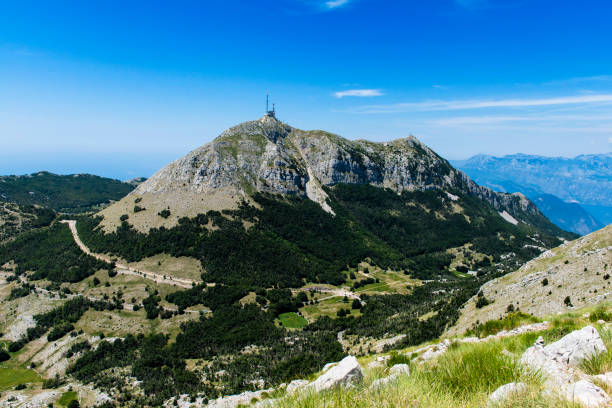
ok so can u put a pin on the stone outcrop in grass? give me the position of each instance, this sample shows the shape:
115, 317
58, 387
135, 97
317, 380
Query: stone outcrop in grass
557, 363
346, 373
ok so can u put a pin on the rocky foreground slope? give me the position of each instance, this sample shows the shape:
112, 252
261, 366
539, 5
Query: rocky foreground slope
573, 275
267, 155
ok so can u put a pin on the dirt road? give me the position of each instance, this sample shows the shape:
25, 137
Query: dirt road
125, 269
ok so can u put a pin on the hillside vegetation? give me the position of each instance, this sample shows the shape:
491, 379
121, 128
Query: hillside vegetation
572, 275
66, 193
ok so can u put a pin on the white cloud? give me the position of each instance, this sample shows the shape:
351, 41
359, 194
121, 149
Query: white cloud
493, 119
358, 92
483, 104
335, 3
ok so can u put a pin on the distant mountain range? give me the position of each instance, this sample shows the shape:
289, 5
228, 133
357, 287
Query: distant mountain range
575, 193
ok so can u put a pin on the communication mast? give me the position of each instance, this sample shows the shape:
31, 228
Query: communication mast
270, 113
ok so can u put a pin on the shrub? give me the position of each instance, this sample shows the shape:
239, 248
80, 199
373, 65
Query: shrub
510, 321
462, 269
59, 331
16, 345
600, 314
545, 282
164, 213
4, 356
138, 209
124, 217
397, 358
20, 387
568, 301
96, 281
356, 304
112, 273
482, 302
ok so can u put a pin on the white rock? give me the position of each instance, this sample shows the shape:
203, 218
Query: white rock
347, 372
576, 346
400, 369
296, 385
382, 381
601, 322
587, 394
557, 363
375, 364
605, 378
233, 401
328, 366
505, 391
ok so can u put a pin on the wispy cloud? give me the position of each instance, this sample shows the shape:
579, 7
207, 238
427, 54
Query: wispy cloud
359, 93
449, 105
495, 119
331, 4
580, 80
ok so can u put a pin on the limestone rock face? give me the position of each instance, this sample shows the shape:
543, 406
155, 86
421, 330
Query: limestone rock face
345, 373
270, 156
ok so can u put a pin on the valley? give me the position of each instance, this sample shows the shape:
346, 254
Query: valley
319, 247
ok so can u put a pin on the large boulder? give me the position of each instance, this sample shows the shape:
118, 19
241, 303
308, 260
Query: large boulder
587, 394
558, 361
347, 372
576, 346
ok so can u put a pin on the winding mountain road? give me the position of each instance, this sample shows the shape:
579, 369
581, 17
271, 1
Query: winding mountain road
128, 270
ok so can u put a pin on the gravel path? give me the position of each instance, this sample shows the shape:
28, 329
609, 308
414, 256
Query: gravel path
125, 269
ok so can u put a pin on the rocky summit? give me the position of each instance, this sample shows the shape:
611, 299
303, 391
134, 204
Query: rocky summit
267, 155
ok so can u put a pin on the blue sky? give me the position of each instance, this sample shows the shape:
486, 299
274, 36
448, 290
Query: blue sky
119, 88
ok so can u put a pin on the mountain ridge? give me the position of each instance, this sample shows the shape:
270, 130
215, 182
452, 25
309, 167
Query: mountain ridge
269, 156
585, 180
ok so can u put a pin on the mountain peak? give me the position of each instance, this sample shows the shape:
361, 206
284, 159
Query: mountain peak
267, 155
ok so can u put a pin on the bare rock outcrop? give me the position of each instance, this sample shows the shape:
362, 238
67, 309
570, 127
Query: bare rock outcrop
506, 391
346, 373
557, 362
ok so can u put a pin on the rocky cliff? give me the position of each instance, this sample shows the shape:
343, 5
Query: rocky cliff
270, 156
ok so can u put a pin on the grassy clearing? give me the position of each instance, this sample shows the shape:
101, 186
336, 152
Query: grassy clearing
67, 397
292, 320
328, 307
182, 267
10, 377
